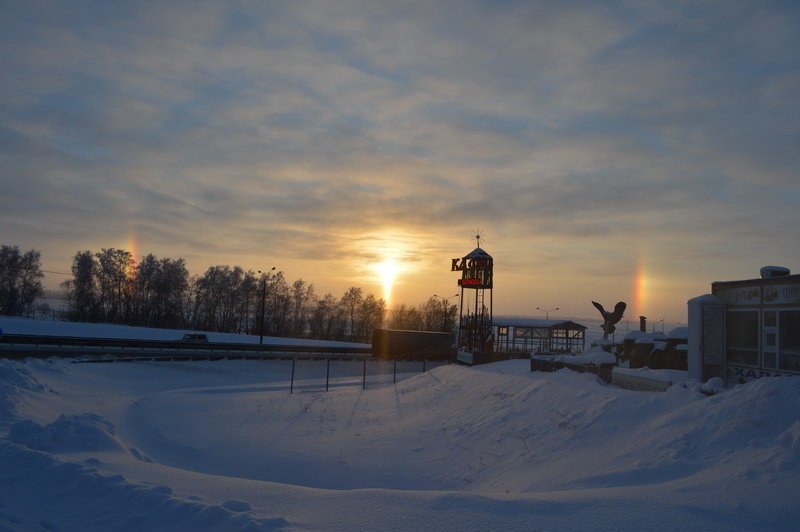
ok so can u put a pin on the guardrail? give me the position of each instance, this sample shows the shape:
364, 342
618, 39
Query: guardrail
310, 365
24, 346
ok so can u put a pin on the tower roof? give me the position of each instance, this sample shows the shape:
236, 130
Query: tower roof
477, 253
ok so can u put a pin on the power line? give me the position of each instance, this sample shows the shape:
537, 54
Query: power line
57, 273
19, 268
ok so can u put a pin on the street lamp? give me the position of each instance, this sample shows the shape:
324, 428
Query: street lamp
444, 307
547, 312
263, 304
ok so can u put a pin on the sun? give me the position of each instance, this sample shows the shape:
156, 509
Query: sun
386, 255
387, 271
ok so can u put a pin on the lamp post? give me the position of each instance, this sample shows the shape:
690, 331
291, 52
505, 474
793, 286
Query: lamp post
444, 306
263, 304
547, 312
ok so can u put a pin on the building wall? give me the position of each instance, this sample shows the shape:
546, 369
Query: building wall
761, 332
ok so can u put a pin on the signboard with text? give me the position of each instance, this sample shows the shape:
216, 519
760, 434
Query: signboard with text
757, 294
782, 294
476, 271
740, 296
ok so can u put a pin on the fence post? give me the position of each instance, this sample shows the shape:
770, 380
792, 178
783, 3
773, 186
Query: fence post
291, 386
394, 376
327, 374
364, 376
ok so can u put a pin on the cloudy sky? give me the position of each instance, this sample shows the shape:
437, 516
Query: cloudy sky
606, 150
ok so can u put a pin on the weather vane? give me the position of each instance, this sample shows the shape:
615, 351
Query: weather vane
477, 235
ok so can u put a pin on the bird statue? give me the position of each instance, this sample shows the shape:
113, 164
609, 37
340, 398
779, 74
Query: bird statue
610, 318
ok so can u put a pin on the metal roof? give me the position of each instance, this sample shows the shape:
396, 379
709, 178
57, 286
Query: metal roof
477, 253
533, 323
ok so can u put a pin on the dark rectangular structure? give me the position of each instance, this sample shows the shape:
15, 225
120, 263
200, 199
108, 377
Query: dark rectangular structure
420, 345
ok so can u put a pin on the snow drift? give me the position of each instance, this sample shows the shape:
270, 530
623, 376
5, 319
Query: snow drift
224, 446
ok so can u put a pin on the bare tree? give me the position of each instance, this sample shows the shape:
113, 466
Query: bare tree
278, 305
115, 281
219, 295
171, 287
159, 292
405, 318
370, 315
144, 291
328, 320
433, 315
248, 302
20, 280
439, 315
432, 312
301, 295
81, 290
351, 300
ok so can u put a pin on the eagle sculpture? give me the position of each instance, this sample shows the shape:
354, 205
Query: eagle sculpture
610, 318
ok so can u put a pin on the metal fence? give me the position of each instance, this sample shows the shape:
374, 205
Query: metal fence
318, 375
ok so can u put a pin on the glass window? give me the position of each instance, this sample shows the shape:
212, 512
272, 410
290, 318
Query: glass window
770, 339
741, 337
540, 333
769, 318
790, 340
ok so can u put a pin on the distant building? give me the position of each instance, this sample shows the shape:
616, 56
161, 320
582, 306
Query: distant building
539, 336
746, 329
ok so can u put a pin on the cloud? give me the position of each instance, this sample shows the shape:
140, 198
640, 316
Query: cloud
317, 125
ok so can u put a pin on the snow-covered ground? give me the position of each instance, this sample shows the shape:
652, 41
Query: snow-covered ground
102, 330
224, 446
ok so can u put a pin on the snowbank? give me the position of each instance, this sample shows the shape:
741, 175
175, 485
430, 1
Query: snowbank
14, 379
224, 446
52, 494
594, 356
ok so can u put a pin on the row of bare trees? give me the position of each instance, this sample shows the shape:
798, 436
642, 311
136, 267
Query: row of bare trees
110, 287
433, 315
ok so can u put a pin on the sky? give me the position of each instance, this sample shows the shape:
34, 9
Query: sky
606, 151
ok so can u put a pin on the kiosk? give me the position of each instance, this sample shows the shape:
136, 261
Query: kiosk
746, 329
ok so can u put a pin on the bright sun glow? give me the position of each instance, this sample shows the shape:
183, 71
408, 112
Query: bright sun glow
640, 287
387, 271
387, 253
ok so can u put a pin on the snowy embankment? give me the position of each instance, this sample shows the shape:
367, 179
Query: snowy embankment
224, 446
102, 330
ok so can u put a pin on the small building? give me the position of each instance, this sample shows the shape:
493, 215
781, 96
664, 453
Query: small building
746, 329
539, 336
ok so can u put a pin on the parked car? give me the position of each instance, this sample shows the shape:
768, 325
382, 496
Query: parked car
195, 337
